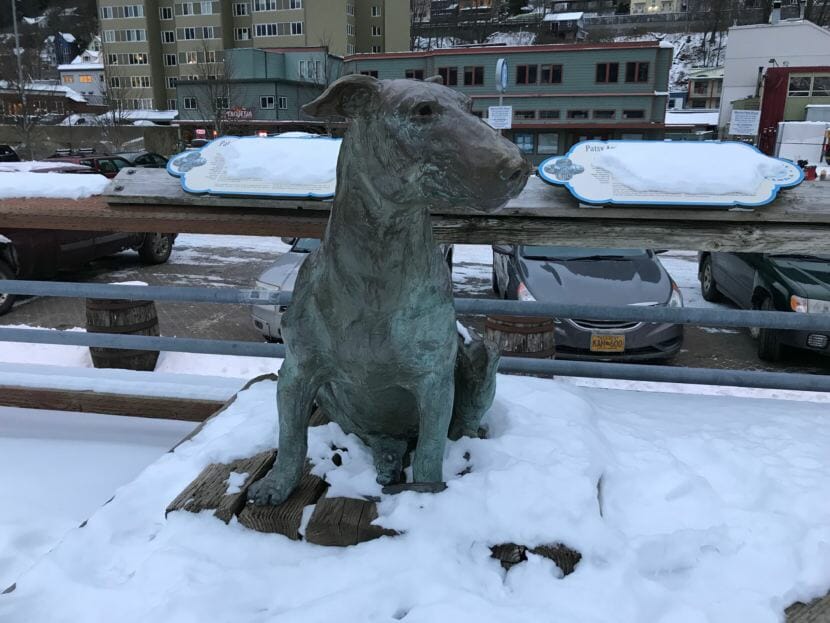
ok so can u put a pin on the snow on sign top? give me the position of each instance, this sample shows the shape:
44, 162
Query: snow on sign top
711, 174
293, 164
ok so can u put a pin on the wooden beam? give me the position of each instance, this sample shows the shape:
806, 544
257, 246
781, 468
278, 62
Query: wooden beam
86, 401
151, 200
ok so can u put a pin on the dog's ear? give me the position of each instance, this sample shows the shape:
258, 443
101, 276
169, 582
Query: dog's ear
436, 79
350, 96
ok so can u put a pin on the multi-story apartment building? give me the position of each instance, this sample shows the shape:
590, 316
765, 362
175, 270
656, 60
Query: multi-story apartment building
705, 86
560, 94
149, 46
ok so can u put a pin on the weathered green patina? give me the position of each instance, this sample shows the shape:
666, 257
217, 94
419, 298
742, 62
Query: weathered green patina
371, 332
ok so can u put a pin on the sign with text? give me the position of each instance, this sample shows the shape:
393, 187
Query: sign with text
707, 174
744, 122
293, 164
500, 117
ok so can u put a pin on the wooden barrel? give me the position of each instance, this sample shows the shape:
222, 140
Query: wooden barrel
522, 336
124, 318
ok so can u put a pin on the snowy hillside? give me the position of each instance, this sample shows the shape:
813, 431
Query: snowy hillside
696, 49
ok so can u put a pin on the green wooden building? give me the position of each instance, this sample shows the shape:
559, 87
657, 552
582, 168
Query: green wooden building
560, 94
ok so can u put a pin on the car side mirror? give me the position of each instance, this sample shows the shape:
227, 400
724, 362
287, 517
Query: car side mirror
288, 241
503, 249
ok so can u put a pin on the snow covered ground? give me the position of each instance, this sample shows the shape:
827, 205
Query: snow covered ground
59, 468
692, 510
51, 185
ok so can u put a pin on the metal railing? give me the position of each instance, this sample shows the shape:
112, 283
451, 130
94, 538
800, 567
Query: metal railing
626, 371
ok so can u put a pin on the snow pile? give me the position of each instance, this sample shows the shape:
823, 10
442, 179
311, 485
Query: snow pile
32, 166
692, 168
282, 160
41, 500
51, 185
699, 509
511, 38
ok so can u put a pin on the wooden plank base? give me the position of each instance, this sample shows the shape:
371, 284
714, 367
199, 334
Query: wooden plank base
344, 521
817, 611
511, 554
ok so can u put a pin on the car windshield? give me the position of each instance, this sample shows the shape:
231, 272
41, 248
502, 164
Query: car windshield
305, 245
579, 253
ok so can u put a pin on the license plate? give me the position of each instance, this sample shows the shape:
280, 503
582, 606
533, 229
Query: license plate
607, 343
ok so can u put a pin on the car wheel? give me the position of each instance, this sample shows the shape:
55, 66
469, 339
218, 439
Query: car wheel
6, 300
769, 343
707, 281
156, 248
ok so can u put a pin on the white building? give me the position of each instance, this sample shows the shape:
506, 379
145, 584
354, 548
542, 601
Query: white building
752, 49
85, 74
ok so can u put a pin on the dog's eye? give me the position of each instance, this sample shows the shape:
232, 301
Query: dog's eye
424, 111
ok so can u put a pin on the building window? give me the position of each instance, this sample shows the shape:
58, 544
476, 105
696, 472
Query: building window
799, 86
190, 103
548, 114
140, 82
821, 86
109, 36
310, 70
699, 88
370, 72
449, 75
377, 31
68, 79
608, 72
170, 60
266, 102
172, 81
240, 8
577, 114
115, 82
166, 12
209, 32
350, 48
633, 114
473, 76
551, 74
376, 49
207, 8
604, 114
527, 74
282, 102
265, 5
350, 9
134, 10
636, 72
414, 74
524, 114
266, 30
86, 79
168, 36
242, 34
106, 12
188, 34
296, 28
375, 10
171, 104
350, 30
548, 143
185, 8
524, 141
191, 58
222, 103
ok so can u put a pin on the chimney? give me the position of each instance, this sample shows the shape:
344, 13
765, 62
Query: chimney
775, 16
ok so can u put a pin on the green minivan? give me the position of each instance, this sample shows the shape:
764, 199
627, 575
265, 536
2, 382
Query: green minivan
798, 283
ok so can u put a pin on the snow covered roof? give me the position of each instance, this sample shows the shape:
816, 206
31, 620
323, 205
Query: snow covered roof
34, 20
55, 89
701, 73
73, 66
692, 117
68, 37
150, 115
563, 17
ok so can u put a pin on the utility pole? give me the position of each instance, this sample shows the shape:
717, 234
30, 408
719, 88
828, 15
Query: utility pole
17, 53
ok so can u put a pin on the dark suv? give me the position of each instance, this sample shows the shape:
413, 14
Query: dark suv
42, 253
7, 154
797, 283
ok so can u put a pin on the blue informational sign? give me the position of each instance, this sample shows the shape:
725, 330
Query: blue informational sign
679, 173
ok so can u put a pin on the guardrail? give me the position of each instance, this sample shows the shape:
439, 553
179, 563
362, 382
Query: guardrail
659, 373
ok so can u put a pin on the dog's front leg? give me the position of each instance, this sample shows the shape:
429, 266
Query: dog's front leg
295, 398
435, 399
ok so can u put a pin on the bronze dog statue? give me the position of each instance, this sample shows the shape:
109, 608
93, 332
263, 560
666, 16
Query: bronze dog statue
371, 334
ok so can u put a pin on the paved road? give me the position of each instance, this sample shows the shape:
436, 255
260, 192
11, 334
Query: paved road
235, 261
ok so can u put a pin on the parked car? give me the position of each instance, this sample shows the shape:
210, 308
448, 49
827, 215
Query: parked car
7, 154
106, 165
267, 319
144, 159
590, 276
797, 283
42, 253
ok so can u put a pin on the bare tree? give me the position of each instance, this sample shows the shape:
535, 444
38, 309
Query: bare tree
213, 78
118, 96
